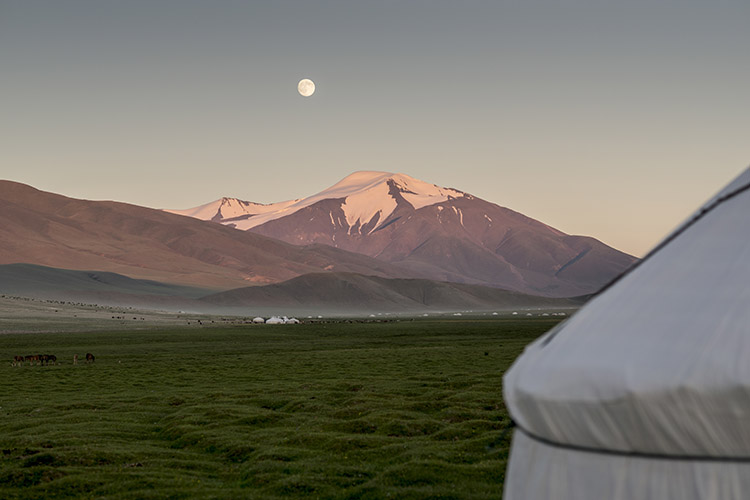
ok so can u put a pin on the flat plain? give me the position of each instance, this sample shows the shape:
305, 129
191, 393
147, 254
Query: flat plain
399, 409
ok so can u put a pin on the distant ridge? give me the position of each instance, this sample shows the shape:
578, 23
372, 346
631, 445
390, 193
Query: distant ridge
439, 233
328, 293
350, 293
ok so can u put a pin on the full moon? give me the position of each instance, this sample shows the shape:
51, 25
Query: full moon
306, 87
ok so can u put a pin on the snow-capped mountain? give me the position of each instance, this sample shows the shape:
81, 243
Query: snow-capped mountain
441, 233
368, 198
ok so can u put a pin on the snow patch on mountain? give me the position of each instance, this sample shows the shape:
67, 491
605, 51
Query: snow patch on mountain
422, 194
232, 207
362, 206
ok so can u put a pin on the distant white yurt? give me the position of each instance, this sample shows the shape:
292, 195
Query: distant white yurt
259, 320
274, 320
645, 392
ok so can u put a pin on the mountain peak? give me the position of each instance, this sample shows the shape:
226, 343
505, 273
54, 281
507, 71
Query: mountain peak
364, 179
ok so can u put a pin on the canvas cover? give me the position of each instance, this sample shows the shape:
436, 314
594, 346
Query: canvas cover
646, 390
537, 471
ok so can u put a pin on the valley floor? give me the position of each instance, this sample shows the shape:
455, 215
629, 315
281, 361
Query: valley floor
409, 409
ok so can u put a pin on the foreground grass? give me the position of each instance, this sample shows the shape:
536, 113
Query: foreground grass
400, 410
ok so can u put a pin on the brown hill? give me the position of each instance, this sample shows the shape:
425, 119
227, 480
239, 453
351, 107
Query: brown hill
52, 230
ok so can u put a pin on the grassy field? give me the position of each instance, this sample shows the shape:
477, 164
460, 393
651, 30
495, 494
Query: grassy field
409, 409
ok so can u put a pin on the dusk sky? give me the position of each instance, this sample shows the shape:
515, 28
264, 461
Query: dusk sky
609, 119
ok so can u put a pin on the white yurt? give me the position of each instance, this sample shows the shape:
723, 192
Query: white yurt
645, 392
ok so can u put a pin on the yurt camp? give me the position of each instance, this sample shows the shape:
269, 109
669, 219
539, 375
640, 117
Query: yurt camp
645, 392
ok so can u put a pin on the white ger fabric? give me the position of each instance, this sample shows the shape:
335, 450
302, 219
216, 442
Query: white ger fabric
645, 392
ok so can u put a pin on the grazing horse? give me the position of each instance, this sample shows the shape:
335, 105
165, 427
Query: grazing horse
75, 359
89, 357
18, 360
32, 358
51, 358
43, 359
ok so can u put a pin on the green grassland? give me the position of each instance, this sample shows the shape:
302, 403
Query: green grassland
407, 409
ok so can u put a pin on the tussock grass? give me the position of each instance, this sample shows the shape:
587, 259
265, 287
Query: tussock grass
400, 410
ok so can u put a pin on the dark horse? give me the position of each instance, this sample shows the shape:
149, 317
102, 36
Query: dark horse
89, 357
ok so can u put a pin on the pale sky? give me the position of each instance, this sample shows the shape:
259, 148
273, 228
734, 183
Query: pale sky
605, 118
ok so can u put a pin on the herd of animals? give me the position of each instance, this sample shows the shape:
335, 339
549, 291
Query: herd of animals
46, 359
